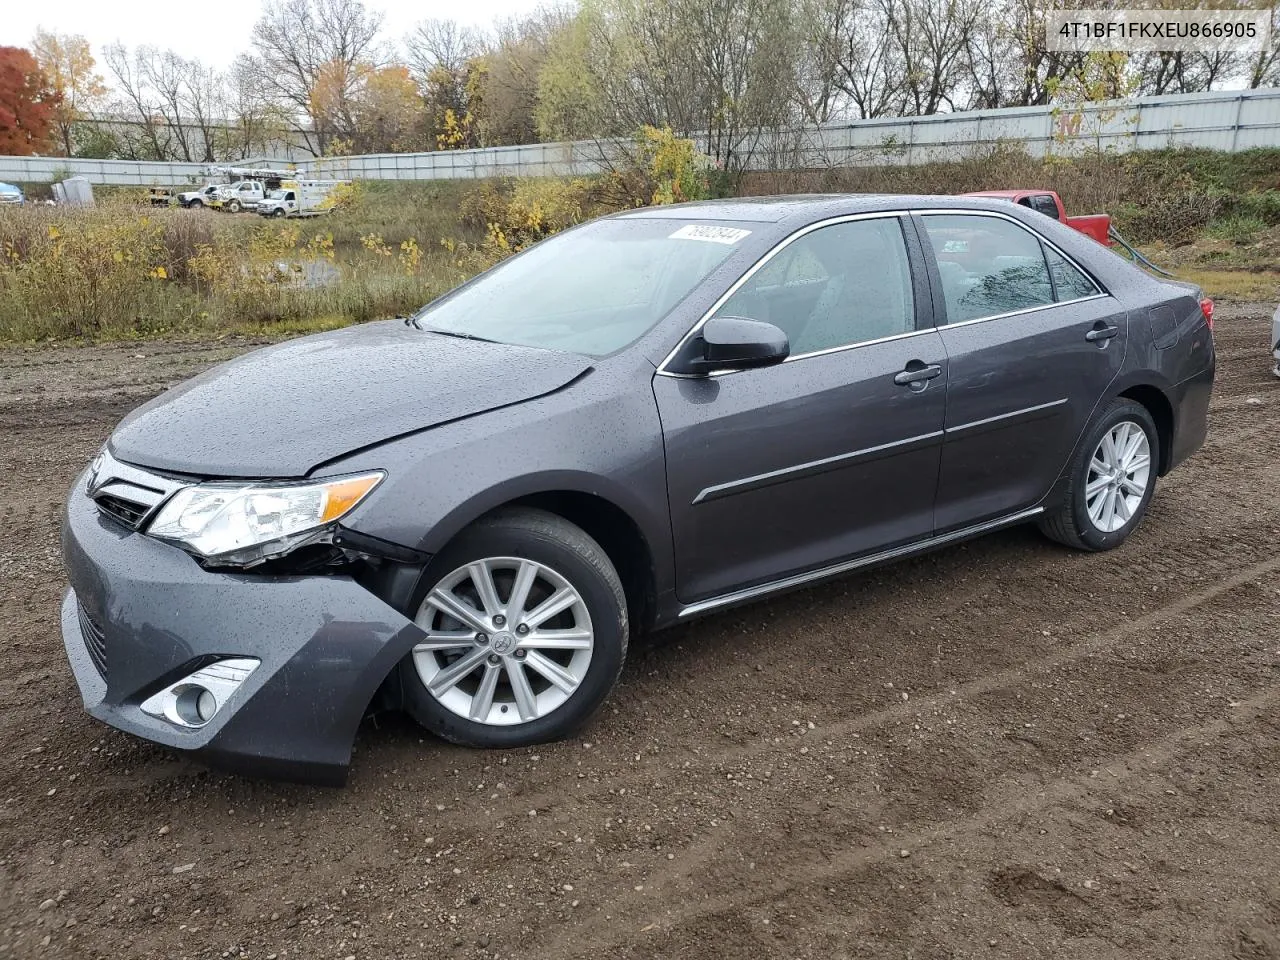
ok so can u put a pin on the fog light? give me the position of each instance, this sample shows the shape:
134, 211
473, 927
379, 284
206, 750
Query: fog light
194, 700
206, 706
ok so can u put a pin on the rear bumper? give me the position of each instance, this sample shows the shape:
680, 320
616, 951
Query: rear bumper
1191, 414
325, 645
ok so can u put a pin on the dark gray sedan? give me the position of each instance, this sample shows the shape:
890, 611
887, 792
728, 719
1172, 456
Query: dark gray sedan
659, 414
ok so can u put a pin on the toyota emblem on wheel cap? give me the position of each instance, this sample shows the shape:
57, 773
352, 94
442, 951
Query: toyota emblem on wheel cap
503, 643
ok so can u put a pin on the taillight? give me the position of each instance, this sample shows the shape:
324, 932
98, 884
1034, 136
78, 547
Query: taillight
1206, 307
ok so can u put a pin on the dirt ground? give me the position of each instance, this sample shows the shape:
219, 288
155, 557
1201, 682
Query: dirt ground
1001, 750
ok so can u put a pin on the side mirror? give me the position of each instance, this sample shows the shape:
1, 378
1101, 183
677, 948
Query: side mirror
735, 343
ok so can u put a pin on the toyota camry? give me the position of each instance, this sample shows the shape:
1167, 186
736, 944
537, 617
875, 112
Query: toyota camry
468, 513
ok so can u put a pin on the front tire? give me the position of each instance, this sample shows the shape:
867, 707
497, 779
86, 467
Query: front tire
233, 206
526, 624
1111, 480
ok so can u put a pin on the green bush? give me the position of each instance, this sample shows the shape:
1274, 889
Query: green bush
1239, 228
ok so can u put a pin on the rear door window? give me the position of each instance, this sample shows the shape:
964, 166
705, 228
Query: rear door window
988, 266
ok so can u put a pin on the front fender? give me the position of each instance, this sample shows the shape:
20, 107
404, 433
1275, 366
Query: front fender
601, 437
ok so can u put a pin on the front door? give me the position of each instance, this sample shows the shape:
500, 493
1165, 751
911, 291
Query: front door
1032, 345
833, 453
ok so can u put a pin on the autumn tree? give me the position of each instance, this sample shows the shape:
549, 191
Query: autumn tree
722, 69
254, 119
309, 55
447, 61
28, 102
436, 47
144, 134
68, 63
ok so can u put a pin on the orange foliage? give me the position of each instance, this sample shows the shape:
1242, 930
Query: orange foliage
27, 104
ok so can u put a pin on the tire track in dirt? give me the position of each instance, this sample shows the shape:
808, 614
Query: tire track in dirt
681, 881
999, 679
731, 927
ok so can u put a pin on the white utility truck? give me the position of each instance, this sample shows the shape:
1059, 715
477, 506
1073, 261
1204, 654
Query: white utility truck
300, 198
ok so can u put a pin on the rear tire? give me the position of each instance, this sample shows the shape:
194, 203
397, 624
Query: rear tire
1110, 480
531, 682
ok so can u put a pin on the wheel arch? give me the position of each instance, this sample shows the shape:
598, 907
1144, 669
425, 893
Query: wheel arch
1157, 404
634, 548
617, 533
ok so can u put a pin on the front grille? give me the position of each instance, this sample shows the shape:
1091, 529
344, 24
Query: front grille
126, 493
126, 511
94, 640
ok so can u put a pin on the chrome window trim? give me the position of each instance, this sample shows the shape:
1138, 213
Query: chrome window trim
860, 343
777, 248
1018, 313
662, 370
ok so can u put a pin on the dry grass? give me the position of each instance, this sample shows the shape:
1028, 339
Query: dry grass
1234, 284
121, 270
1171, 196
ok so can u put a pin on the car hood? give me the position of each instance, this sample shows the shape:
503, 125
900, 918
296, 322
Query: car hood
284, 410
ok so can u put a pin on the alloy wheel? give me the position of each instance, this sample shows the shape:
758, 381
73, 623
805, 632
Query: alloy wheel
508, 641
1119, 473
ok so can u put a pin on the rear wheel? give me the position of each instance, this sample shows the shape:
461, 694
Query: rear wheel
1110, 482
526, 633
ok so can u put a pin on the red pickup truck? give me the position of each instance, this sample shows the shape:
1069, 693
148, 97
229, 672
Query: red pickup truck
1095, 225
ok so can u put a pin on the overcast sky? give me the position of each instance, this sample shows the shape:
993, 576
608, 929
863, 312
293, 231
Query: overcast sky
183, 28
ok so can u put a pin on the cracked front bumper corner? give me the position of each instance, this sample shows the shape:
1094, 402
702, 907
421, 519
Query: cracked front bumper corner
142, 615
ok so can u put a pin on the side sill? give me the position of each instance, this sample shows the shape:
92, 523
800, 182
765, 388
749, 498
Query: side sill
845, 566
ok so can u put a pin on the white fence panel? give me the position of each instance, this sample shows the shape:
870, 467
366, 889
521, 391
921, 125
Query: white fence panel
1221, 121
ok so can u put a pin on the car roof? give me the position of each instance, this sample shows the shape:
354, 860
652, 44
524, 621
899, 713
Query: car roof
808, 206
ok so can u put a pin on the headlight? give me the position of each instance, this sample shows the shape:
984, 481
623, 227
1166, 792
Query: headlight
240, 524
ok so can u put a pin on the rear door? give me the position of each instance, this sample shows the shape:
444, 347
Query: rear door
1032, 345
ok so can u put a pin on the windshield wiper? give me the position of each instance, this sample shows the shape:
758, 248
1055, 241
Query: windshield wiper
413, 322
454, 333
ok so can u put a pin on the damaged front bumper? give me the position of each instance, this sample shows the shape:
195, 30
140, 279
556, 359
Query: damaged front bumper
142, 617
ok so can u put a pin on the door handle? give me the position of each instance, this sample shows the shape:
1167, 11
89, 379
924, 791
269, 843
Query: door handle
917, 372
1101, 333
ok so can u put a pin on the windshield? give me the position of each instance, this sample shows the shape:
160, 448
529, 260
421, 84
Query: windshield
592, 290
275, 195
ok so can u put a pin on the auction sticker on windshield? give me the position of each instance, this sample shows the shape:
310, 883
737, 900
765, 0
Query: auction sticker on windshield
699, 231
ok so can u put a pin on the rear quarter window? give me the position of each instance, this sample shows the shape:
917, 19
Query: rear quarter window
1068, 282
